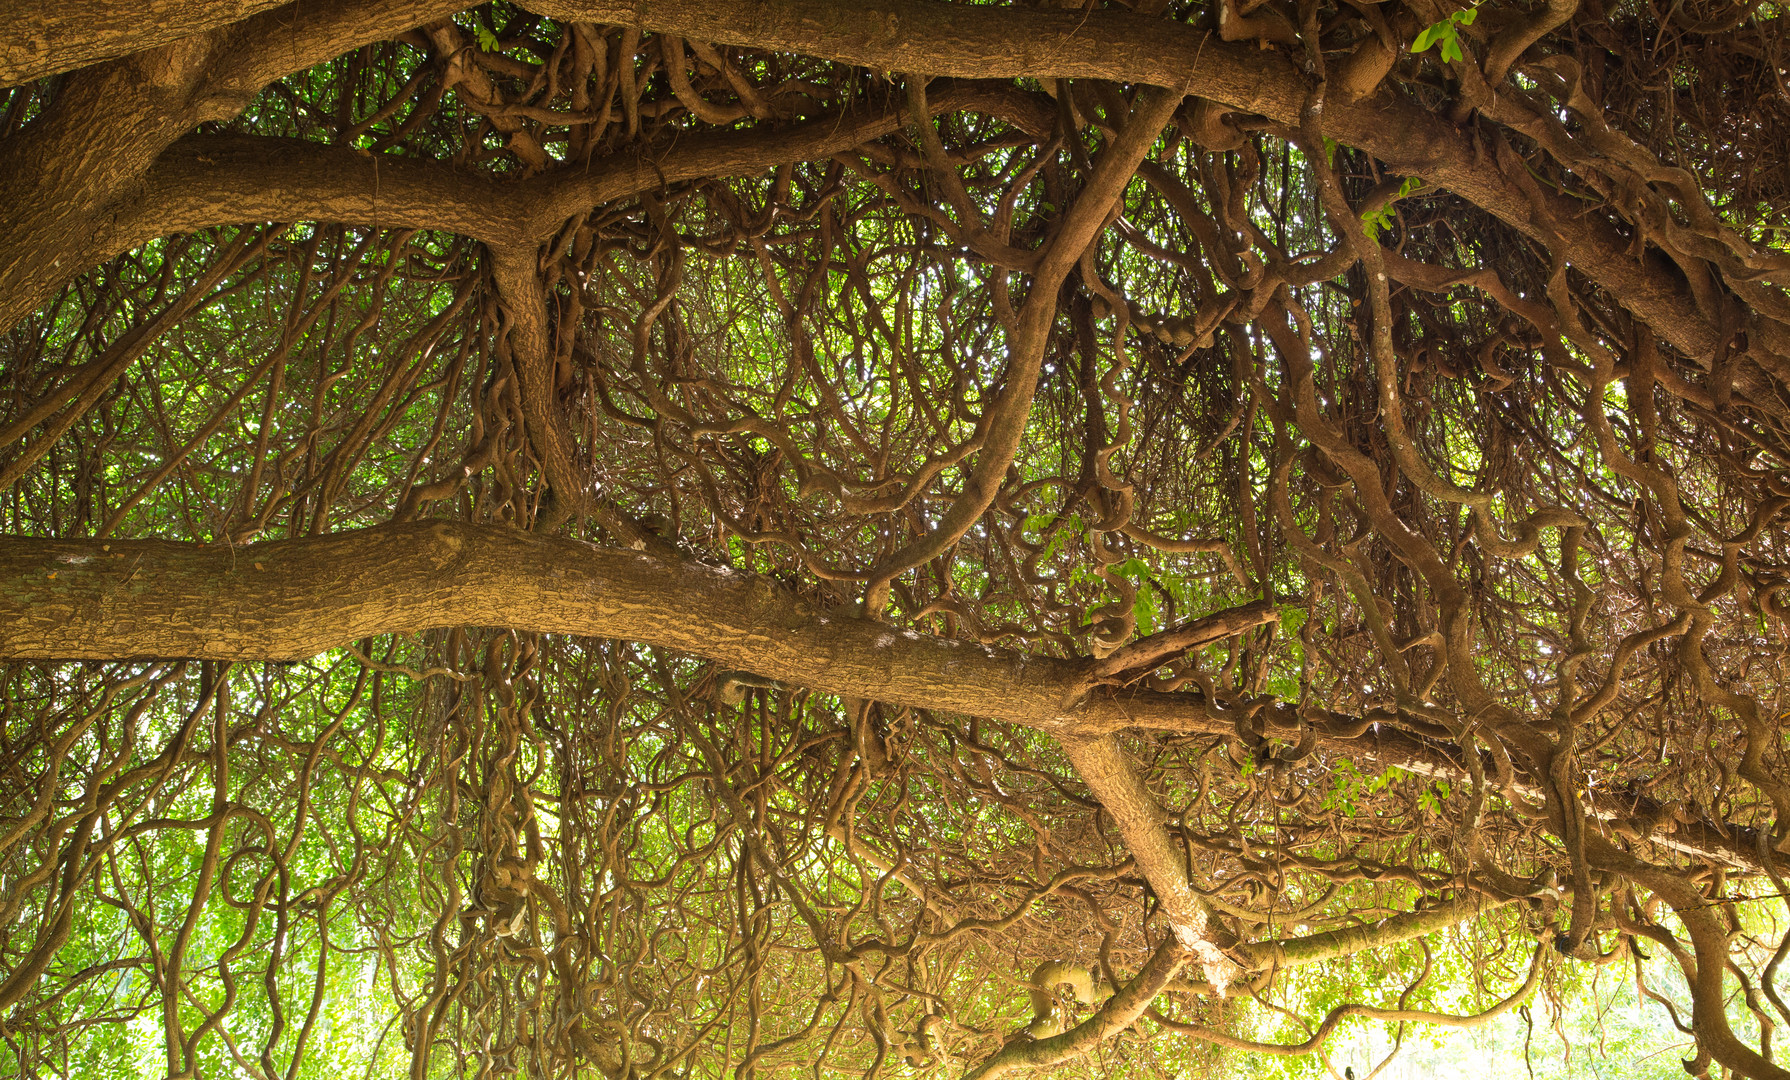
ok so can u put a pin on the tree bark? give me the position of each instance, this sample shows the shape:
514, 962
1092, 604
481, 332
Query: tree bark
46, 39
977, 42
1120, 1012
74, 172
1112, 775
292, 599
981, 41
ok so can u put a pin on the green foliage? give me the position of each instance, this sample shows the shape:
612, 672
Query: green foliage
1446, 34
1349, 786
1379, 220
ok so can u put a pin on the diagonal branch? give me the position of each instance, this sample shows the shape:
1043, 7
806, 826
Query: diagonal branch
1120, 1011
1158, 649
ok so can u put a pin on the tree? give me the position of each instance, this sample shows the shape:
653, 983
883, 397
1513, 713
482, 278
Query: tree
890, 538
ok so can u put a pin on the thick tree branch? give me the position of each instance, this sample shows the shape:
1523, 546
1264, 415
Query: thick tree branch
293, 599
74, 171
46, 39
988, 42
1112, 776
1002, 42
208, 180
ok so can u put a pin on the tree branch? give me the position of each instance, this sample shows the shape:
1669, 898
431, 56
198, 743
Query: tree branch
46, 39
1004, 42
292, 599
994, 42
207, 180
1118, 1013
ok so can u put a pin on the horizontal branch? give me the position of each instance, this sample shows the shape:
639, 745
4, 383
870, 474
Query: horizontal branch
69, 174
293, 599
987, 41
991, 42
1331, 944
209, 180
46, 39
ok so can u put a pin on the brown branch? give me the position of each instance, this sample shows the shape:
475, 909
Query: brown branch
46, 39
1706, 978
998, 42
1157, 649
207, 180
1337, 1015
293, 599
978, 42
1119, 1012
74, 171
1332, 944
1112, 776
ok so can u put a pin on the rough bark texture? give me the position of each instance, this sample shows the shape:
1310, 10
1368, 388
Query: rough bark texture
43, 39
911, 35
997, 42
834, 289
293, 599
1122, 1010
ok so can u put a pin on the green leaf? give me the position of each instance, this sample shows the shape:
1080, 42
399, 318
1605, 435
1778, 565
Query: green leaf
1377, 221
1446, 34
487, 40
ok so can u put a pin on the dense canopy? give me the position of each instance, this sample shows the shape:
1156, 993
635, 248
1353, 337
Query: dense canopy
681, 538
